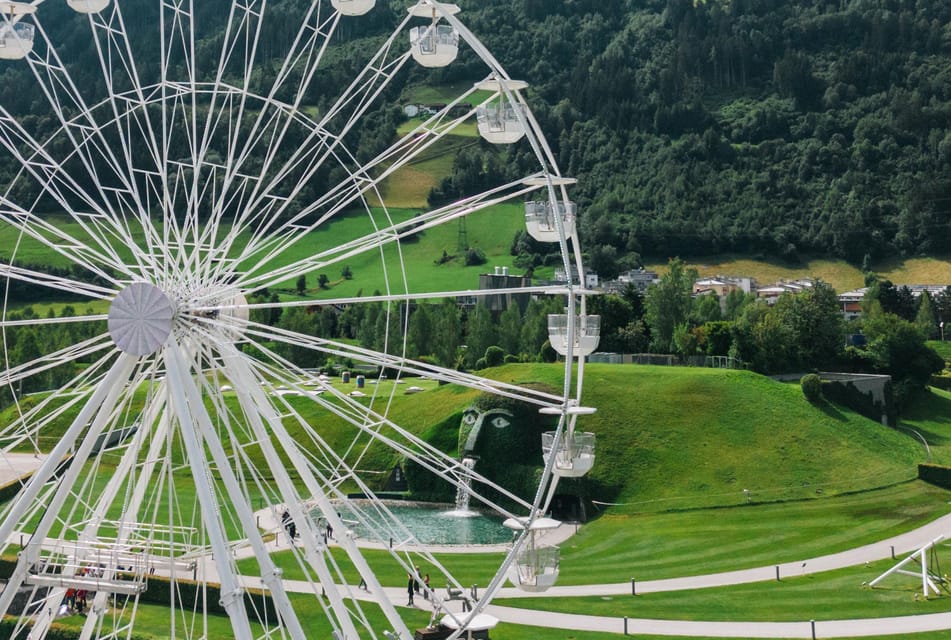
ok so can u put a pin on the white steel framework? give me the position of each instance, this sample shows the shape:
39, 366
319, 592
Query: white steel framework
175, 187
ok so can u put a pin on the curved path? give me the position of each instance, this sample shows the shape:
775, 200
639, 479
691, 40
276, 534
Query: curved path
899, 545
15, 467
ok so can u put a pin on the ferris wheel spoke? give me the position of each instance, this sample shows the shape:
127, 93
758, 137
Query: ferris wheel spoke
402, 364
263, 422
132, 121
59, 283
546, 290
109, 556
361, 180
91, 254
179, 135
61, 357
94, 415
373, 423
319, 144
201, 433
91, 148
180, 379
32, 418
303, 58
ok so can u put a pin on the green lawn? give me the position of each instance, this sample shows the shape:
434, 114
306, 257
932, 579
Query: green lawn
832, 595
467, 568
613, 549
616, 548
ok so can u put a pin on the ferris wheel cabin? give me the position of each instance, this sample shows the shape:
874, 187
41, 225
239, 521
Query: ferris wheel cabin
536, 566
540, 219
574, 454
16, 38
498, 120
352, 7
587, 334
435, 45
87, 6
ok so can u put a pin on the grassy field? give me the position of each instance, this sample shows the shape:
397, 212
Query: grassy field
490, 230
612, 549
409, 186
841, 275
677, 446
615, 548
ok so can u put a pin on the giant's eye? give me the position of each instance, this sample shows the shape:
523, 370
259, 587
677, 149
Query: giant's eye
470, 417
500, 422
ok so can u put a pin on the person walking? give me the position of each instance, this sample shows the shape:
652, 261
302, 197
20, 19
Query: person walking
409, 588
287, 522
426, 587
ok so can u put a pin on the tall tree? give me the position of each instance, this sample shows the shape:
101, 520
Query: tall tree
480, 333
815, 328
668, 304
448, 327
510, 329
421, 331
925, 320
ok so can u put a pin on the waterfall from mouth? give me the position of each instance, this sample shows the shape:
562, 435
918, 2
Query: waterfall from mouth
462, 491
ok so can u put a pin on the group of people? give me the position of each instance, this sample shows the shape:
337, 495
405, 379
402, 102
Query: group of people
413, 586
75, 601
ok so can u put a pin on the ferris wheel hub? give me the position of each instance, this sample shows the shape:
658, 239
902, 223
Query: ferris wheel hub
140, 319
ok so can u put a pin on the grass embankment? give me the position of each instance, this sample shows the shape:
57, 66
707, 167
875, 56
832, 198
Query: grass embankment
682, 438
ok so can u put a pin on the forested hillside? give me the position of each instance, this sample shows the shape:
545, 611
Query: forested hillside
756, 126
763, 127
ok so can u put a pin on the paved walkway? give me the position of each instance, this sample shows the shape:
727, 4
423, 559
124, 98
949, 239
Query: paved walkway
899, 545
14, 466
17, 465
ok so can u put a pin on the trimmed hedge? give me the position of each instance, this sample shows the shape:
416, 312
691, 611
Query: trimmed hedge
935, 474
158, 591
846, 394
57, 631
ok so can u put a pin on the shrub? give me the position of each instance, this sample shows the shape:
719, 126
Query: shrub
811, 387
494, 356
475, 257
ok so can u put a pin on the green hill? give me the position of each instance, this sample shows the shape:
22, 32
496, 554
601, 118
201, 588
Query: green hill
672, 438
675, 437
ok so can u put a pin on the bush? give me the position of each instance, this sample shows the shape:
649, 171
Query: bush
811, 387
935, 474
494, 356
509, 358
475, 257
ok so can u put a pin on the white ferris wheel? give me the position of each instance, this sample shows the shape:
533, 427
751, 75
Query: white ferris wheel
174, 188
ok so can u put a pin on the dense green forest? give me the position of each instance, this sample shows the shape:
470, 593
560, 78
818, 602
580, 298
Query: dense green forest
762, 127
